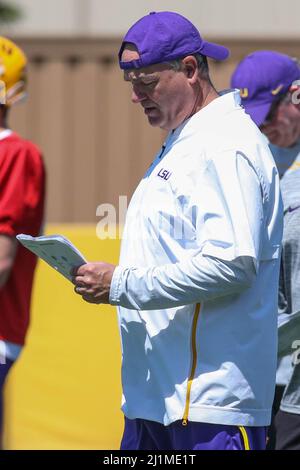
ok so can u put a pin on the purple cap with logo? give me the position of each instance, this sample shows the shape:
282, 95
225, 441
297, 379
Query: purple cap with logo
263, 77
163, 36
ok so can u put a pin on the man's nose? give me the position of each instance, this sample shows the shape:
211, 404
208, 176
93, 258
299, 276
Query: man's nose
274, 126
137, 96
270, 126
271, 131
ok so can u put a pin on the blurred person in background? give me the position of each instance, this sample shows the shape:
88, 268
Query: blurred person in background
201, 240
269, 83
22, 189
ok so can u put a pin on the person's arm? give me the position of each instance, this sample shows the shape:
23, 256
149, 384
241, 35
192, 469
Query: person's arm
289, 280
17, 188
11, 206
283, 304
197, 279
7, 256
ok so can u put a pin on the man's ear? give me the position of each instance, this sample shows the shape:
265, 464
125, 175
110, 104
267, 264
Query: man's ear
190, 67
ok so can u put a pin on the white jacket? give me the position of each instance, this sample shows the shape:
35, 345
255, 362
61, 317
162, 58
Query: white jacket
198, 276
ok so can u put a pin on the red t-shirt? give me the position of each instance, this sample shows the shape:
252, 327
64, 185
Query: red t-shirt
22, 190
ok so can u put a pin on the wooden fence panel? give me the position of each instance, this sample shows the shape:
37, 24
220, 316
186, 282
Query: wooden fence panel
96, 143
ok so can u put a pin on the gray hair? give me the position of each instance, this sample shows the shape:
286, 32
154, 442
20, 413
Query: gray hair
202, 65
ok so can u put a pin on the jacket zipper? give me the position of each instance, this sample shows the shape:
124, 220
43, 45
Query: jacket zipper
193, 368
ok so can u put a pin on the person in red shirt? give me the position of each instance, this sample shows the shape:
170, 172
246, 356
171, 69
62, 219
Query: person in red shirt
22, 190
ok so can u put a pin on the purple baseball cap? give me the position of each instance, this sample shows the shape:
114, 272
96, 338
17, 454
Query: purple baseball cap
263, 77
165, 35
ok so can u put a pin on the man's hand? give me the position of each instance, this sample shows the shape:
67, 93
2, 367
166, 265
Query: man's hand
92, 281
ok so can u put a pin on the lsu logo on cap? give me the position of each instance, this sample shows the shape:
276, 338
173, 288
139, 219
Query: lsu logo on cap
244, 92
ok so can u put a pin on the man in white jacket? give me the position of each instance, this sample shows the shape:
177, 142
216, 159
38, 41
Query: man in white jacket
196, 285
270, 89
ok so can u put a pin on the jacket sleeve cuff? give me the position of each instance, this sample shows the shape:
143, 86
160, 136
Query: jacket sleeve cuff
115, 287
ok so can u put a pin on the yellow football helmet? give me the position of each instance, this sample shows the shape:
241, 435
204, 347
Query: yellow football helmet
12, 72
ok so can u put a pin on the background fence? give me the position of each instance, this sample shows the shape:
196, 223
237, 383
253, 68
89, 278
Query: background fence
96, 143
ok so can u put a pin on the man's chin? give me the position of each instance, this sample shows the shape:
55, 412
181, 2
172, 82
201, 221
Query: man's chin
154, 121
